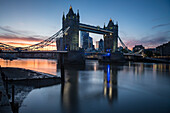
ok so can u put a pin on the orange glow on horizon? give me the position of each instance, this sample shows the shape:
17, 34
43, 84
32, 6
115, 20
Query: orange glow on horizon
25, 42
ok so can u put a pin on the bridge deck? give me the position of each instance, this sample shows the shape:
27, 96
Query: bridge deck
93, 29
35, 52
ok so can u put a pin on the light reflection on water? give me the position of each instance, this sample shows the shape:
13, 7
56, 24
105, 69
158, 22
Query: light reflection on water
41, 65
132, 87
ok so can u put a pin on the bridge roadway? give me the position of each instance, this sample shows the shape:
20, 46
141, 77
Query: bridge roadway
31, 54
54, 54
35, 52
93, 29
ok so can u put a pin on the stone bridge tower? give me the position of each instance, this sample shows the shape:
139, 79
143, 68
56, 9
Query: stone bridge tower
71, 38
111, 40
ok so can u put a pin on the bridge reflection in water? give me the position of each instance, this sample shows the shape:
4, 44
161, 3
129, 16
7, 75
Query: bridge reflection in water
76, 88
110, 83
91, 88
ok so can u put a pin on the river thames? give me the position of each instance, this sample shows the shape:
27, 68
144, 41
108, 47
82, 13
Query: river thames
101, 88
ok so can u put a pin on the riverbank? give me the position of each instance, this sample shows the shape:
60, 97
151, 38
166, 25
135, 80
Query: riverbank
29, 77
24, 80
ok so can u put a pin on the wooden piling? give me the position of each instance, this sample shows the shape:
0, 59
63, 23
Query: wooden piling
62, 68
6, 83
13, 92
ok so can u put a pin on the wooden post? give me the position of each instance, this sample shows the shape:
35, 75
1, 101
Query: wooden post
62, 67
6, 85
13, 92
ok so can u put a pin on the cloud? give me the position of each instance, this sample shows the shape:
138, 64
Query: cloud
160, 25
17, 38
8, 29
150, 41
21, 41
17, 44
20, 38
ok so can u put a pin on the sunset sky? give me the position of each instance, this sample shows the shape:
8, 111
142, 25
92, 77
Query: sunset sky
26, 22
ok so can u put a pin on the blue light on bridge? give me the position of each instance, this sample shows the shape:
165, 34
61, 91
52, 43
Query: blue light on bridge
65, 48
108, 73
108, 54
108, 50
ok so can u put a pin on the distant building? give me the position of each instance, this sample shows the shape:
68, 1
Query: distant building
164, 50
120, 48
90, 42
59, 43
100, 45
97, 45
85, 40
153, 50
138, 48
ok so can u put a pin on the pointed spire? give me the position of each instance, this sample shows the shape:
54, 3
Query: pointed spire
77, 12
116, 22
110, 24
70, 11
104, 26
63, 16
70, 7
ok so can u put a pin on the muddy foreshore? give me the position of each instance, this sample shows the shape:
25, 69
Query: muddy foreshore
29, 77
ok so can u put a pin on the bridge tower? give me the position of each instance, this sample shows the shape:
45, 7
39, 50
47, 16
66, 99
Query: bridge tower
71, 39
111, 40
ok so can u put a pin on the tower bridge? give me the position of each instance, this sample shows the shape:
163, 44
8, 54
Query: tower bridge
71, 40
67, 39
69, 33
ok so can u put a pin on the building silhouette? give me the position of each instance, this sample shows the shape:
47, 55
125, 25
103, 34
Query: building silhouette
84, 37
90, 43
164, 49
59, 44
138, 48
100, 45
86, 42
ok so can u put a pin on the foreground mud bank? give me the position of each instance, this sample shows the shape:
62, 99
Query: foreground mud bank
23, 82
29, 78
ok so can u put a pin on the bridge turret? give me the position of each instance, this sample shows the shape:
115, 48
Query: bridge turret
70, 13
71, 40
110, 40
110, 25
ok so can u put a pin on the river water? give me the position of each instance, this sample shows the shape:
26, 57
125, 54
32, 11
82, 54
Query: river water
99, 88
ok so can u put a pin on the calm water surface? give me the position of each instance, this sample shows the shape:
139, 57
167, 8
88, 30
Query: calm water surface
132, 87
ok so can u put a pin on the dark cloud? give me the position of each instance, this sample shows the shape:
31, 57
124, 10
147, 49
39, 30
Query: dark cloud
8, 29
149, 41
160, 25
17, 38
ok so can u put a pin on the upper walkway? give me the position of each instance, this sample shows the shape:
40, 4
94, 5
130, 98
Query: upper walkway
93, 29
